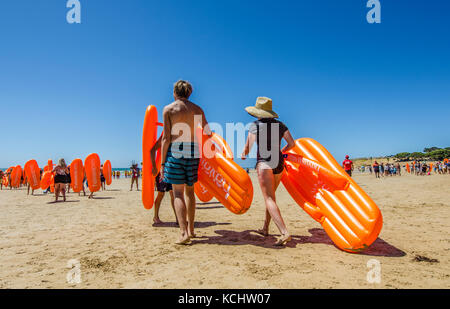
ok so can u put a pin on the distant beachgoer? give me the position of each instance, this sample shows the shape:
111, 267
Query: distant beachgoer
270, 161
69, 180
180, 154
29, 187
348, 165
1, 179
161, 186
134, 176
376, 169
102, 178
8, 176
424, 169
61, 170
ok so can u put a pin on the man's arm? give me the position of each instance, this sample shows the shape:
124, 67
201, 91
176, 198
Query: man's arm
166, 138
153, 156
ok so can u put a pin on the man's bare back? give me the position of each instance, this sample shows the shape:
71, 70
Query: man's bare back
183, 117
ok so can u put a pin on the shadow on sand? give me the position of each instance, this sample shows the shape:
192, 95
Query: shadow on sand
61, 201
197, 225
318, 236
103, 198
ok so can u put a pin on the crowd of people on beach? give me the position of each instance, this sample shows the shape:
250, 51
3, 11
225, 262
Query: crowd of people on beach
61, 181
414, 168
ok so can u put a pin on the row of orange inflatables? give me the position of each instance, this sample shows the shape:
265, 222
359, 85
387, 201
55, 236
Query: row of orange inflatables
312, 177
31, 173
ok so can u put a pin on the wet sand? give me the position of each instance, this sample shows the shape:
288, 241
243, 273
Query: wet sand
113, 239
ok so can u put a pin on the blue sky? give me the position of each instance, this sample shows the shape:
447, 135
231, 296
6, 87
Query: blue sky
67, 90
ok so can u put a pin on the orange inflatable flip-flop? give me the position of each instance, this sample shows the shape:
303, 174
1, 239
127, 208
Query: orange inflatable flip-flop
92, 167
16, 176
76, 175
200, 190
149, 138
107, 172
46, 180
33, 174
325, 191
223, 178
202, 193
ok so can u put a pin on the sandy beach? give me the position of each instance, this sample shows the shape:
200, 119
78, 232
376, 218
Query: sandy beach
113, 239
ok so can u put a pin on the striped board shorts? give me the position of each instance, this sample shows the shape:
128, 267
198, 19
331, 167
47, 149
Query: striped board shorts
181, 166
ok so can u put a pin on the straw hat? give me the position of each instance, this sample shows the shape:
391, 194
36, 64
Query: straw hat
262, 108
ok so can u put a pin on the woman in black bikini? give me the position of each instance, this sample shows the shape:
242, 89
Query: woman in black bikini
268, 133
61, 171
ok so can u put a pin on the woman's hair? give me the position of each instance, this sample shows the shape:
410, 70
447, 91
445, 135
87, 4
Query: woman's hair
62, 163
182, 89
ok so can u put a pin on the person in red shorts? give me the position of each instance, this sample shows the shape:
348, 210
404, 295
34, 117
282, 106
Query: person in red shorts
348, 165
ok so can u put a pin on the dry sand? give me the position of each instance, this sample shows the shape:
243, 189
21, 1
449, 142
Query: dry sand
117, 246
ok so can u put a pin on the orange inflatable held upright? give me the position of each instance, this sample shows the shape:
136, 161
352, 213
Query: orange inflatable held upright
16, 176
92, 167
32, 172
76, 175
223, 178
149, 137
46, 180
107, 172
322, 188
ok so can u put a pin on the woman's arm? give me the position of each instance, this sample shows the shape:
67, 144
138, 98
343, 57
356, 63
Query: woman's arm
290, 142
248, 145
153, 157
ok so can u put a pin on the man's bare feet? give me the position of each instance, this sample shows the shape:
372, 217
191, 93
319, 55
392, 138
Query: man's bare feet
157, 221
283, 240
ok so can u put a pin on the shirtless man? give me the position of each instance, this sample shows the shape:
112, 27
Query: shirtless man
181, 156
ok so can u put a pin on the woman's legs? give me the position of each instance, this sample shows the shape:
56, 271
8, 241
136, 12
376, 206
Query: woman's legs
132, 181
56, 191
268, 182
265, 230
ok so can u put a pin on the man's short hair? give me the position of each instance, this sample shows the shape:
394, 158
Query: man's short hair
182, 89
